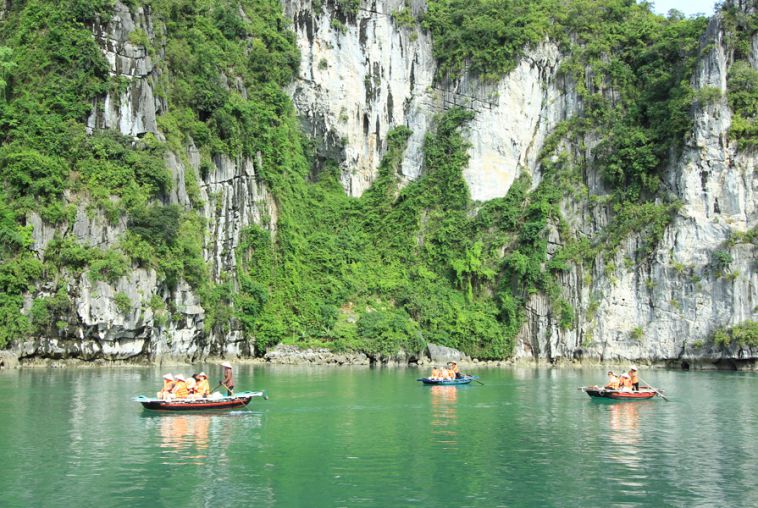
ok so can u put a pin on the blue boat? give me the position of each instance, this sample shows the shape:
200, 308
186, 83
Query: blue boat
445, 382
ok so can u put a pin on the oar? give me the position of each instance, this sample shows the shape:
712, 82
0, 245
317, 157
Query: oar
230, 390
654, 389
472, 379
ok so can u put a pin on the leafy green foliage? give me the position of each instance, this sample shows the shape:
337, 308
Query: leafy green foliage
744, 334
486, 36
386, 332
742, 80
721, 260
123, 303
742, 95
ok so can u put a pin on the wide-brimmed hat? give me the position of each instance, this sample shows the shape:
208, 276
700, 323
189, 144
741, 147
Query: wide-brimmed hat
632, 368
168, 376
203, 374
226, 365
180, 377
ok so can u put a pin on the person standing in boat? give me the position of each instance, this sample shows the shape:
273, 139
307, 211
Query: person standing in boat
635, 381
456, 372
228, 380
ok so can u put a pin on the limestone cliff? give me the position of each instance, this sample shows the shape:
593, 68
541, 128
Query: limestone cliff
666, 307
363, 72
231, 197
358, 82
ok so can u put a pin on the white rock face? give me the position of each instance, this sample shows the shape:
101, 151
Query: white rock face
512, 121
234, 199
667, 308
356, 84
131, 111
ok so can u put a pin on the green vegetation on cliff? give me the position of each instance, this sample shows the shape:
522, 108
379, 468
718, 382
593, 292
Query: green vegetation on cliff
742, 81
398, 267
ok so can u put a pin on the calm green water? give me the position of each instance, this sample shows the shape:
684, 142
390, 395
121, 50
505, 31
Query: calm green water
376, 437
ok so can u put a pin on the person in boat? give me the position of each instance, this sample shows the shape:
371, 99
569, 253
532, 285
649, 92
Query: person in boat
202, 390
180, 390
168, 385
625, 383
191, 383
435, 373
634, 379
454, 370
228, 381
613, 381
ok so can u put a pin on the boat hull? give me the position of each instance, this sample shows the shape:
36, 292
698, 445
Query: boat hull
239, 400
447, 382
602, 393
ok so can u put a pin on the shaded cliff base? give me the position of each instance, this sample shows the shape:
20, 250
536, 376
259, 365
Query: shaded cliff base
434, 355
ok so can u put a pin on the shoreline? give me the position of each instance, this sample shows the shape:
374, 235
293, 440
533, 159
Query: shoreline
10, 362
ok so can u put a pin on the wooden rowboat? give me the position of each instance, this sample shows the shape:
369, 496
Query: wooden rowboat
645, 392
459, 381
239, 399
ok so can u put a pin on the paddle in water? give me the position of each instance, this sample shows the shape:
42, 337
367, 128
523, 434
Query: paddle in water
655, 390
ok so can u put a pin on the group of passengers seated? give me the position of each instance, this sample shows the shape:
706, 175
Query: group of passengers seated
626, 382
178, 387
446, 373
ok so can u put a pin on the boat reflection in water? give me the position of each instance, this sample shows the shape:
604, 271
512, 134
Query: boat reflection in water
185, 438
444, 415
627, 446
191, 438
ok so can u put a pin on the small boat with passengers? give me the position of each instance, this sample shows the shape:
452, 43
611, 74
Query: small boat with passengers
445, 382
239, 399
644, 393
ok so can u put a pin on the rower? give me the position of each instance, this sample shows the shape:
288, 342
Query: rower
613, 381
168, 385
454, 370
228, 380
635, 381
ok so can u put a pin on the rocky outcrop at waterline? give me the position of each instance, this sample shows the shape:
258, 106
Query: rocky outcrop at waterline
293, 355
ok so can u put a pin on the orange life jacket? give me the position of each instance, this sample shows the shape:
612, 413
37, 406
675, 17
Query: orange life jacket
202, 388
167, 386
633, 376
613, 383
180, 390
